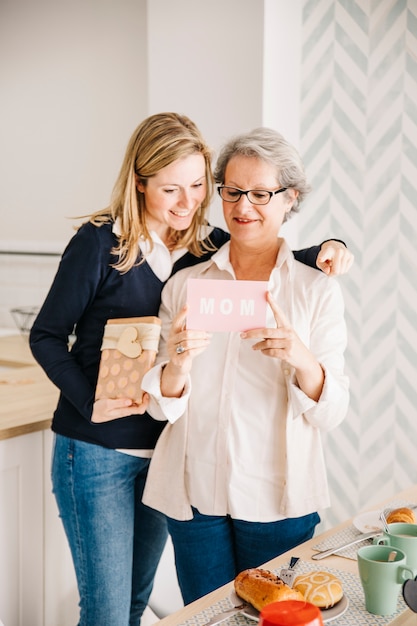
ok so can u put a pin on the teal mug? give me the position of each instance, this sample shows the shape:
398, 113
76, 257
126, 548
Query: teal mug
382, 579
403, 537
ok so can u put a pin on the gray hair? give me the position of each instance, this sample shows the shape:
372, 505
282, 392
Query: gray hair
269, 146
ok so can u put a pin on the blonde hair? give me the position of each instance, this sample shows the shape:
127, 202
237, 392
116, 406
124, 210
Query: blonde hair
157, 142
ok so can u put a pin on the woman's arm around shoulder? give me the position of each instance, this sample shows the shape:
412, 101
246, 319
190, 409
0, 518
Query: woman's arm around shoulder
332, 257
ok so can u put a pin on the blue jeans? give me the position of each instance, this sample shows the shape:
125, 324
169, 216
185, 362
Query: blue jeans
210, 551
115, 540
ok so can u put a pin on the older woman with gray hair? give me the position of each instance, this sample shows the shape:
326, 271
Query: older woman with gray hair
239, 469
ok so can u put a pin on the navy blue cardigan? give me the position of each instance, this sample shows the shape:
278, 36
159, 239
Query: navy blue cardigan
85, 293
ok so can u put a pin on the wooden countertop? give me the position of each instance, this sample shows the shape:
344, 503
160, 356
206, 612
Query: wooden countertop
27, 397
305, 552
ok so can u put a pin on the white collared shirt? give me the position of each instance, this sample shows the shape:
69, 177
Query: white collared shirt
158, 257
243, 439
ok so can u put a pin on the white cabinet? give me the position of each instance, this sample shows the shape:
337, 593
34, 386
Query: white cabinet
21, 530
37, 582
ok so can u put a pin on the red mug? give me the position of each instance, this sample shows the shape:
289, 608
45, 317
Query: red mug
290, 613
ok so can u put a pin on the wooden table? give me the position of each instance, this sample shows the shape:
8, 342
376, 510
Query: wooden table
27, 397
304, 551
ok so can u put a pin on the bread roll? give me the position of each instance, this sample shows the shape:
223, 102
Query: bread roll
402, 514
320, 588
260, 587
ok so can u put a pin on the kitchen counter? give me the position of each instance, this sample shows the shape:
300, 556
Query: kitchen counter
27, 397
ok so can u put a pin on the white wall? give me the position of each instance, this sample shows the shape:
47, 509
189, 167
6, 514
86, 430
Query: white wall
281, 67
206, 61
77, 77
282, 46
74, 85
230, 66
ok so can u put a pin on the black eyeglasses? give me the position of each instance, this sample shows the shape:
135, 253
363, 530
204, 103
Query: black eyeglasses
255, 196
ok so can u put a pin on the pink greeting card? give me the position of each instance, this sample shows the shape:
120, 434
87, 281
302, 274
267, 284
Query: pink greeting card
226, 305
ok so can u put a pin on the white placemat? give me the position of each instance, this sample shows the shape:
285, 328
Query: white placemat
356, 614
343, 536
348, 534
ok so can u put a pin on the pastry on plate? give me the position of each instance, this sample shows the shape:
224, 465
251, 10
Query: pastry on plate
320, 588
402, 514
260, 587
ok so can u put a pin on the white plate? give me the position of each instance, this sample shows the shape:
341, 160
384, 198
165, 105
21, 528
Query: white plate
250, 612
367, 522
328, 615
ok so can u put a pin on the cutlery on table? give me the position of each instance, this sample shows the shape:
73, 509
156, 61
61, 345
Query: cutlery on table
347, 544
384, 522
287, 574
220, 617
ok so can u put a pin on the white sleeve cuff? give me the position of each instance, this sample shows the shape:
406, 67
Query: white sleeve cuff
160, 407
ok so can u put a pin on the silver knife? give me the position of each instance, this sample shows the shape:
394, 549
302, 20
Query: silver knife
220, 617
322, 555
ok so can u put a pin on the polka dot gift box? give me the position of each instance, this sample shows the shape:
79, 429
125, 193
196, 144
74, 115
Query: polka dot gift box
128, 351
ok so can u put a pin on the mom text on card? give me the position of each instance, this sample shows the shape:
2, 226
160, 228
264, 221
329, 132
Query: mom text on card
226, 305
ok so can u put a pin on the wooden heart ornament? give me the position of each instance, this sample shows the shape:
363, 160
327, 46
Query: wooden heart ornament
128, 343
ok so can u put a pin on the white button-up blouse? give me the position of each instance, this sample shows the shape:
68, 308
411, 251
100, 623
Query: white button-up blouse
244, 440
